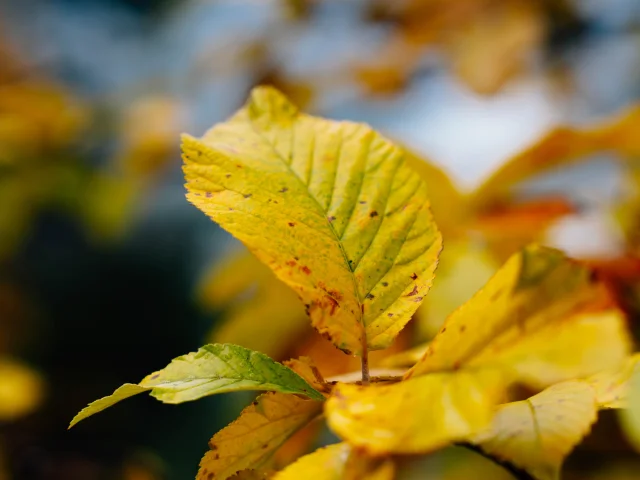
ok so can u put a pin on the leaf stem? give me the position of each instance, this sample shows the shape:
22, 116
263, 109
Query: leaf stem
365, 365
518, 473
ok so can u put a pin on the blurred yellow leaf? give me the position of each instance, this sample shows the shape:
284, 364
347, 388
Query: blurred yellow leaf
506, 228
561, 146
329, 206
337, 462
249, 291
537, 434
630, 417
418, 415
495, 43
464, 267
35, 117
253, 438
21, 389
447, 202
611, 386
541, 315
149, 129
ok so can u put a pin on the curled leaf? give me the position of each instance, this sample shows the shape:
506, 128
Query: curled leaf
331, 207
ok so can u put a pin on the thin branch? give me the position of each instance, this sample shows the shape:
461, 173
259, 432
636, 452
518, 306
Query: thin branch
365, 365
518, 473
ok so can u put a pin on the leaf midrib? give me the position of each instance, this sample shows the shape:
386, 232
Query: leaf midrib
338, 239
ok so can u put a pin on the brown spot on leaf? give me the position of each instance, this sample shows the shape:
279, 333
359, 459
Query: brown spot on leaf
227, 175
414, 276
362, 202
335, 294
306, 270
292, 224
413, 292
373, 214
213, 446
385, 284
331, 218
291, 263
265, 446
248, 195
208, 195
153, 377
389, 315
370, 297
283, 190
462, 328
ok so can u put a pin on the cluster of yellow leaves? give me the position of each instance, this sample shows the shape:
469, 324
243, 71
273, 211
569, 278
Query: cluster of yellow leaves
340, 216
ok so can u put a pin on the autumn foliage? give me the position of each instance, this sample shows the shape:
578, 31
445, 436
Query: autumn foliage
517, 371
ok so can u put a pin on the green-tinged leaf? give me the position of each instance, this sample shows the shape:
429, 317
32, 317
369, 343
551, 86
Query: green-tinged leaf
213, 369
219, 368
542, 315
252, 439
338, 462
536, 435
611, 386
125, 391
330, 206
417, 415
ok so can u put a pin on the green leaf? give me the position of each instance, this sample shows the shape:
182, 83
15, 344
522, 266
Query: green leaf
219, 368
330, 206
213, 369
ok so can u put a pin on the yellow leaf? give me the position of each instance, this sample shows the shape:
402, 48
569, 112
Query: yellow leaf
611, 387
463, 269
305, 367
447, 202
21, 389
338, 462
537, 434
253, 438
541, 315
495, 44
124, 391
630, 417
329, 206
250, 291
417, 415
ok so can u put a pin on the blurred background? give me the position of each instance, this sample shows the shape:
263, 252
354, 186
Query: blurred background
107, 273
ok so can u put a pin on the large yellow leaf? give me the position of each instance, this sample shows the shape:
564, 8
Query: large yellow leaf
417, 415
541, 315
329, 206
338, 462
213, 369
253, 438
536, 435
248, 291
